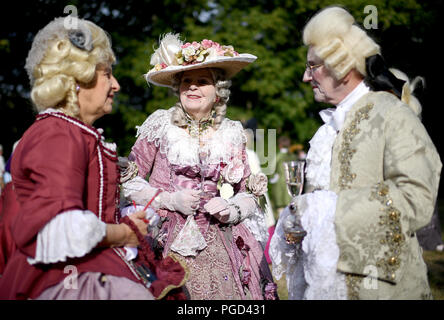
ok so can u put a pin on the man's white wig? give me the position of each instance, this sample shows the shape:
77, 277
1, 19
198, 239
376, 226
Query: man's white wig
339, 42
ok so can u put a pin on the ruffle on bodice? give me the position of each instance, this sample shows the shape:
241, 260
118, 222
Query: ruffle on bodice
182, 149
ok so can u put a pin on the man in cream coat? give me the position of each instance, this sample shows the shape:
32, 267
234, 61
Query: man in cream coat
371, 180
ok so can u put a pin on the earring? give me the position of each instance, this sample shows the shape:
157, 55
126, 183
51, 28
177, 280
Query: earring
77, 88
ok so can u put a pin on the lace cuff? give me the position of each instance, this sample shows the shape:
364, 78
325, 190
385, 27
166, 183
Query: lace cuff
311, 268
282, 255
71, 234
251, 215
242, 206
321, 252
128, 169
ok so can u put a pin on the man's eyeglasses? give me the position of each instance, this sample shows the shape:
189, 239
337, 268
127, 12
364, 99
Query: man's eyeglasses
312, 68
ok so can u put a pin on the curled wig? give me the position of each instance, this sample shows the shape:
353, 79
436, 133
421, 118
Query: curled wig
56, 63
339, 42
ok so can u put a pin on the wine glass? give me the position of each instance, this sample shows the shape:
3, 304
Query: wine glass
294, 178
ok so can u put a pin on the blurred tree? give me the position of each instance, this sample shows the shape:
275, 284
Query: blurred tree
134, 27
270, 90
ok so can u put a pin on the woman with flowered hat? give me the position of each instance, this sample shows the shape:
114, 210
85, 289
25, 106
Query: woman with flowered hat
197, 163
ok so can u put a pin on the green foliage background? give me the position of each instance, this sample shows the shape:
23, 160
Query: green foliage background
270, 90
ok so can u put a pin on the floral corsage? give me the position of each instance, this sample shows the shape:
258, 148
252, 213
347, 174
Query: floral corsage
258, 184
231, 174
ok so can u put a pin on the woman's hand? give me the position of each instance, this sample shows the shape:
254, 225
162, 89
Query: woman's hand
218, 208
141, 223
185, 201
121, 235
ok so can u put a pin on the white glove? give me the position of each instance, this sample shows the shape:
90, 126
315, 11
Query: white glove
185, 201
152, 217
221, 210
150, 214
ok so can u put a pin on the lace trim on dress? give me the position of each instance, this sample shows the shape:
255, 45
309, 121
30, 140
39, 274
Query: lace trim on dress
182, 149
190, 240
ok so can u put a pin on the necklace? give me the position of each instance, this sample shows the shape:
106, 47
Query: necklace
197, 127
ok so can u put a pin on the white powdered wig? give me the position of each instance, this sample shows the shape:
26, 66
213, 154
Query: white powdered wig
339, 42
62, 57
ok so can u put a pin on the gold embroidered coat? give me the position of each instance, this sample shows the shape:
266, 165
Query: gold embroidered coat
385, 170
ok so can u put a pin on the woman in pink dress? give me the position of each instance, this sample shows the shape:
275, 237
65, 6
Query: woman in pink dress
197, 164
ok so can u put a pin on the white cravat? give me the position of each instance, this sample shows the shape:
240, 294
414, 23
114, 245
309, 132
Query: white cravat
335, 117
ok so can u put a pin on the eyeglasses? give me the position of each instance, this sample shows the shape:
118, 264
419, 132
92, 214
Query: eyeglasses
310, 67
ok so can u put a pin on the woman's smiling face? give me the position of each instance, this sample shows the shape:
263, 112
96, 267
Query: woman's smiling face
197, 92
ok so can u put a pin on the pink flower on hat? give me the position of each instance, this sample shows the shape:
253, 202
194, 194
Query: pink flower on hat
207, 43
174, 52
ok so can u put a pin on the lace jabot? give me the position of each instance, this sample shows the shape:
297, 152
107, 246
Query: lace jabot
319, 157
182, 149
321, 145
311, 269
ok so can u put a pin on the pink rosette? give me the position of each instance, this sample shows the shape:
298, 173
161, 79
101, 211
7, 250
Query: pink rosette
258, 184
207, 43
234, 171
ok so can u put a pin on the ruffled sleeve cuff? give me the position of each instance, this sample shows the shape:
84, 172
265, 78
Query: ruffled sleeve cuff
71, 234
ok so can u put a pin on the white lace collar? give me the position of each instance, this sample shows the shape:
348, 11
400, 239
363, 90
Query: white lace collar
182, 149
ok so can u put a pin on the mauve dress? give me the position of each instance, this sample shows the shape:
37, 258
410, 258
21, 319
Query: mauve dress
232, 266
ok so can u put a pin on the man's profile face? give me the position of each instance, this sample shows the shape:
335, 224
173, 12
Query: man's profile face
324, 84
